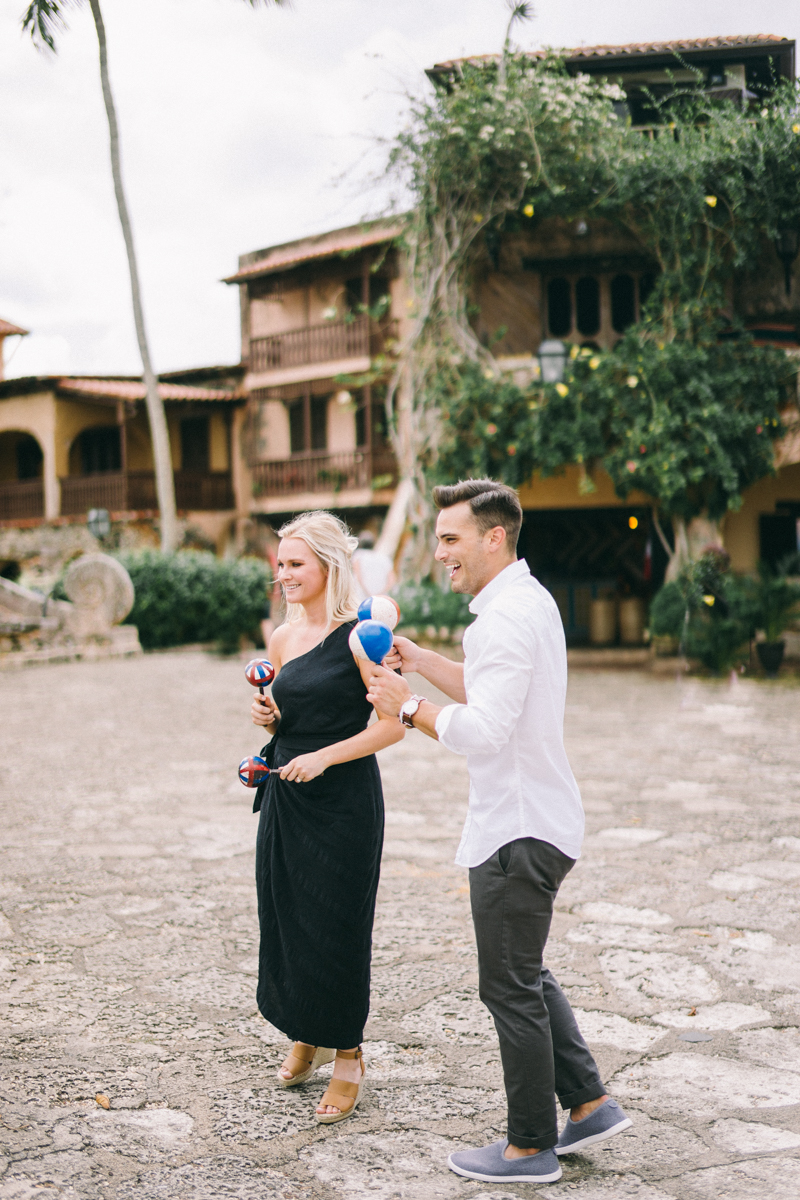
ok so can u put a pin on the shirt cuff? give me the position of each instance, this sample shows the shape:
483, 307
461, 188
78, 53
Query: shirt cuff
443, 719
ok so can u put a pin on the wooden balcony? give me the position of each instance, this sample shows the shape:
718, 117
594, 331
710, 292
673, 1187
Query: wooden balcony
330, 342
21, 499
119, 491
319, 471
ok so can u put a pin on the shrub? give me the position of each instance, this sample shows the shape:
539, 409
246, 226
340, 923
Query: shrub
668, 611
426, 604
192, 596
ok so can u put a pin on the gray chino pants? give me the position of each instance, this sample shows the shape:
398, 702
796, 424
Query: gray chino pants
512, 896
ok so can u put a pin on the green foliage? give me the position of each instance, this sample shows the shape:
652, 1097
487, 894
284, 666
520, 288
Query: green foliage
685, 408
194, 597
720, 612
688, 422
668, 611
426, 604
775, 603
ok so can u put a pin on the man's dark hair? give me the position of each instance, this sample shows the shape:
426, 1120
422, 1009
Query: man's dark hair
491, 503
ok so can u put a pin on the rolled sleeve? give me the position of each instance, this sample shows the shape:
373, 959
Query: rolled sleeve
501, 673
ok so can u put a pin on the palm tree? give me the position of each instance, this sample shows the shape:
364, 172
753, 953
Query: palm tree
44, 19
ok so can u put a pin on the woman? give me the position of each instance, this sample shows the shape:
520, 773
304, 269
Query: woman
321, 828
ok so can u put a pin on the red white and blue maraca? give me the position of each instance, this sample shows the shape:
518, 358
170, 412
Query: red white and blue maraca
260, 672
372, 640
379, 608
253, 770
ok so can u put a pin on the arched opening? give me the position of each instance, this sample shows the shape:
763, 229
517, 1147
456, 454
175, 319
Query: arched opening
21, 476
96, 451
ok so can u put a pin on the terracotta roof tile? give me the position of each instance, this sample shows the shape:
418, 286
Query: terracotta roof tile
131, 389
682, 45
324, 245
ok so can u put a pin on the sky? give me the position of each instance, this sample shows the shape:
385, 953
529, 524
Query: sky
240, 129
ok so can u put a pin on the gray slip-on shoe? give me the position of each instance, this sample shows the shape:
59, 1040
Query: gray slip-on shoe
603, 1123
490, 1165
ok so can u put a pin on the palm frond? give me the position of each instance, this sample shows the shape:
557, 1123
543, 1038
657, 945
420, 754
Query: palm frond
44, 19
268, 3
520, 12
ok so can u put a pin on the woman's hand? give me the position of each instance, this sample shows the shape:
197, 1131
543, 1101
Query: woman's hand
305, 767
265, 711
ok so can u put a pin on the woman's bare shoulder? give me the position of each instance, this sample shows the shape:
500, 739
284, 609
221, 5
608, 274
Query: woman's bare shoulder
278, 642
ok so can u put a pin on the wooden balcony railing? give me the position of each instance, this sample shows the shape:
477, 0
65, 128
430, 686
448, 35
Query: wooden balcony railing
21, 499
120, 492
319, 471
329, 342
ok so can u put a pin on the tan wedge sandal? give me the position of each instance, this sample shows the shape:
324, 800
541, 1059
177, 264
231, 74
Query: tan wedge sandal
301, 1066
341, 1093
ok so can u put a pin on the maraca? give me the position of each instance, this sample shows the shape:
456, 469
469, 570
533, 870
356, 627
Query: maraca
260, 672
379, 608
253, 771
372, 640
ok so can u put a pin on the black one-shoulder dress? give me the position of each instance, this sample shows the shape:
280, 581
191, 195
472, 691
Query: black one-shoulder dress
318, 855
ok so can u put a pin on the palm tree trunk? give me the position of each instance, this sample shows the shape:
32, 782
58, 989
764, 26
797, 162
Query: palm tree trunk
159, 434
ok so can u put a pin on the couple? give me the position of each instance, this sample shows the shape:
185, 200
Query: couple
320, 834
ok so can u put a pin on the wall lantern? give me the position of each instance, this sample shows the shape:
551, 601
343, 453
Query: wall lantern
552, 360
787, 244
99, 522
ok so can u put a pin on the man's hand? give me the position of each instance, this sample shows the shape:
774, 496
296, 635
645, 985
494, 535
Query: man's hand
403, 654
388, 691
265, 712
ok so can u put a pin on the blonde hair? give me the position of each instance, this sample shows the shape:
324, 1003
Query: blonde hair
330, 540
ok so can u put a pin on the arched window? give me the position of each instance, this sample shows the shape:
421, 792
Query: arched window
559, 307
587, 305
623, 302
99, 450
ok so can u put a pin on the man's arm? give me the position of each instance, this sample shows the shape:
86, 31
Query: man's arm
443, 673
387, 692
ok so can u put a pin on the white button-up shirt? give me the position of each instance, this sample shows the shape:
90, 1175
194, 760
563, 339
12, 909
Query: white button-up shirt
512, 727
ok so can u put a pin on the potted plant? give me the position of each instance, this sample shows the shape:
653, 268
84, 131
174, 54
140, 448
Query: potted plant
775, 601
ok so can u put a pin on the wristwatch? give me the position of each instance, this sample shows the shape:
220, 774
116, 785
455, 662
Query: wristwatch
409, 709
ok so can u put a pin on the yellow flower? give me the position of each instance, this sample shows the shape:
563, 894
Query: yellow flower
487, 374
711, 201
528, 210
562, 389
594, 363
574, 351
709, 600
632, 381
477, 218
796, 129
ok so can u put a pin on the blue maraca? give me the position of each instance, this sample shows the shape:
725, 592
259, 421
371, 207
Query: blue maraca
372, 640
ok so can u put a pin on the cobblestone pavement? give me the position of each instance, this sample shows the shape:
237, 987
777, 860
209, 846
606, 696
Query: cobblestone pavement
129, 943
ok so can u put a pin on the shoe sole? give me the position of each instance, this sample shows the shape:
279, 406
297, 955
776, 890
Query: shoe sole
594, 1138
552, 1177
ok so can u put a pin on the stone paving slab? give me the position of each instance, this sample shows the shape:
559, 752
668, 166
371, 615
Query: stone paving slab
128, 944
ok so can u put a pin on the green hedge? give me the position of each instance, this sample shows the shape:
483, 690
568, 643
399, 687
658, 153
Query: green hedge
192, 596
426, 604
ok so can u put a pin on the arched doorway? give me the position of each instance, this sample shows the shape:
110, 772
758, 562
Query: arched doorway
21, 476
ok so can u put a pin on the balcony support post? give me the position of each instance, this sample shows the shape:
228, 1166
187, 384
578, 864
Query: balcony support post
123, 450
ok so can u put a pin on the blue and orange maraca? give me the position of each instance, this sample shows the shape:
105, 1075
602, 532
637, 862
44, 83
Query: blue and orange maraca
253, 770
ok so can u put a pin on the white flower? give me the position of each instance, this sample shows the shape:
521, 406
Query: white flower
486, 132
508, 132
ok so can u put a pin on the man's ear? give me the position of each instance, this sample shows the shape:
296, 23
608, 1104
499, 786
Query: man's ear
496, 539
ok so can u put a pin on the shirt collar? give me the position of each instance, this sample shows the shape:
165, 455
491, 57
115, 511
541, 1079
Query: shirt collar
508, 575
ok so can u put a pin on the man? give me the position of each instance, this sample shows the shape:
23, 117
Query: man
524, 825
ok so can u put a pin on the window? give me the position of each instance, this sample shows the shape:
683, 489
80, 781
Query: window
559, 307
587, 305
308, 424
623, 302
194, 444
29, 458
354, 291
100, 450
